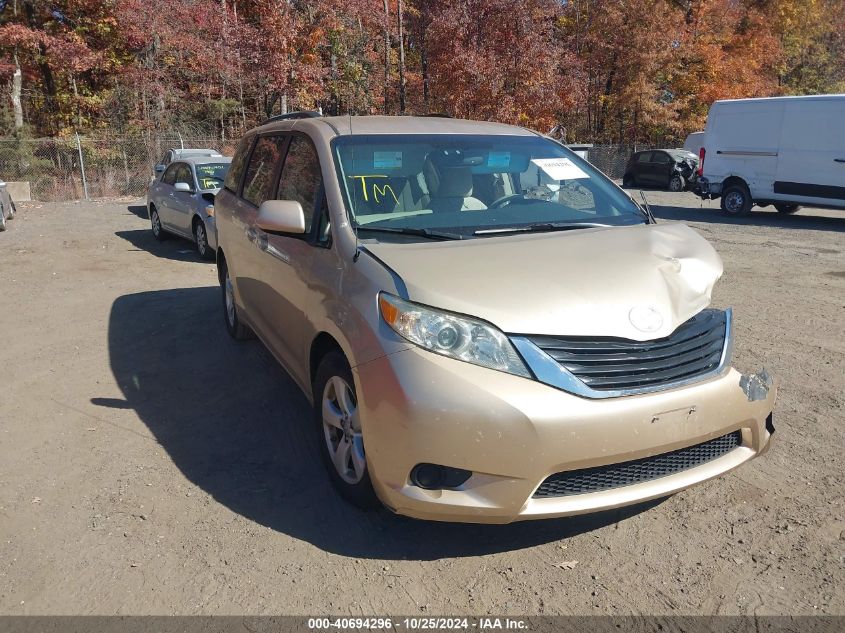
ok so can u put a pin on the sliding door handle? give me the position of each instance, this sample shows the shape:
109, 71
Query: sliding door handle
839, 160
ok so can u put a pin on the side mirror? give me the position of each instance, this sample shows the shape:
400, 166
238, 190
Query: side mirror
159, 168
183, 187
281, 216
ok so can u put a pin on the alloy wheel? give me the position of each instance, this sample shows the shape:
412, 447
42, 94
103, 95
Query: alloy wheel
202, 242
156, 222
342, 430
675, 184
230, 300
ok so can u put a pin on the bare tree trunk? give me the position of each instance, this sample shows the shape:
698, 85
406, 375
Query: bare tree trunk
17, 80
386, 57
401, 59
424, 61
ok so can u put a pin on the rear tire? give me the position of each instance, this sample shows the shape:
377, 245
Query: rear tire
628, 181
236, 329
786, 207
338, 424
677, 183
155, 225
736, 200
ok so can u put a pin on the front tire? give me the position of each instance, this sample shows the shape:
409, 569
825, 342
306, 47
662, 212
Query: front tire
338, 424
786, 207
677, 183
736, 200
12, 210
201, 240
155, 225
236, 329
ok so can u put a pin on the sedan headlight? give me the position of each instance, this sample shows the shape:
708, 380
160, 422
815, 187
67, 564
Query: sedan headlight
459, 337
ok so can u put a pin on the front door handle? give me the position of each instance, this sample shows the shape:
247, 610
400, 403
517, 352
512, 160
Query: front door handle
839, 160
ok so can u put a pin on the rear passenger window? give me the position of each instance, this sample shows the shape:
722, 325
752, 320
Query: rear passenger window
258, 185
301, 177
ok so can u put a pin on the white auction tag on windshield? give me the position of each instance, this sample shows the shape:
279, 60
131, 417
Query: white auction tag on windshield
560, 168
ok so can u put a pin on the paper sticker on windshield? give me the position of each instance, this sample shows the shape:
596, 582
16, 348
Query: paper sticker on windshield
560, 168
499, 160
387, 160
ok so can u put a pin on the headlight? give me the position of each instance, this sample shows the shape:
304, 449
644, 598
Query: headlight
458, 337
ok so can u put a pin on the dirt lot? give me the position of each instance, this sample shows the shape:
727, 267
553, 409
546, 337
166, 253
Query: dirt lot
149, 464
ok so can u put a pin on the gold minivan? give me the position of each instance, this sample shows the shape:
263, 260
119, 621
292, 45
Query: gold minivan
489, 329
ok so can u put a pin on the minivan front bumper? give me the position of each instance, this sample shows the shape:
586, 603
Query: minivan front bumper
513, 433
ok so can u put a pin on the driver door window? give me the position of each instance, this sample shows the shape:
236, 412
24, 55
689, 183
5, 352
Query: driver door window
169, 177
301, 177
183, 174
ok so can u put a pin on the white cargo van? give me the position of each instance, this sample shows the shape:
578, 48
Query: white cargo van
784, 151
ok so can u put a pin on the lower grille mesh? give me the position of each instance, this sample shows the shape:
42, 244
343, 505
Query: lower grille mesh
576, 482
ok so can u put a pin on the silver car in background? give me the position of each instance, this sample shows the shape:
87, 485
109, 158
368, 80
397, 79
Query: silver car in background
181, 202
7, 206
178, 154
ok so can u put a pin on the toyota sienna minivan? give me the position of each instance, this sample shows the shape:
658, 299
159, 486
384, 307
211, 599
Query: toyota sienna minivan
488, 328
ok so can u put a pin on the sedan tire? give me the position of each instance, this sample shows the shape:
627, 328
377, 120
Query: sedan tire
155, 225
341, 438
201, 240
677, 183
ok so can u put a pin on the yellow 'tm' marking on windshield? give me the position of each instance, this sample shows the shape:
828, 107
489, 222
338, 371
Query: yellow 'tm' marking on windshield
383, 190
377, 191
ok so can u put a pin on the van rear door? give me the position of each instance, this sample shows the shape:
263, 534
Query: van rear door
811, 157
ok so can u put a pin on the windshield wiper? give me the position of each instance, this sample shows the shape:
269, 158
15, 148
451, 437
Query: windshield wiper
541, 227
420, 232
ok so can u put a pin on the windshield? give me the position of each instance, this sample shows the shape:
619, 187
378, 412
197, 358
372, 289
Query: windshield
211, 175
473, 186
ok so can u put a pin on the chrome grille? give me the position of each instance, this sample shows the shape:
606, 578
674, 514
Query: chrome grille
609, 364
576, 482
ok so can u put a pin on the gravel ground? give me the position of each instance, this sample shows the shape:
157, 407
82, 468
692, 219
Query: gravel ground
150, 465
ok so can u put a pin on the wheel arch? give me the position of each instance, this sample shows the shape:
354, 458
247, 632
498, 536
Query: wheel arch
735, 180
322, 344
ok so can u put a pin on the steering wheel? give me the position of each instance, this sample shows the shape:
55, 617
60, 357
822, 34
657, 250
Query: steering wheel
500, 202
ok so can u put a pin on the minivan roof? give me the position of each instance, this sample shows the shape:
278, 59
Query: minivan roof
345, 125
791, 98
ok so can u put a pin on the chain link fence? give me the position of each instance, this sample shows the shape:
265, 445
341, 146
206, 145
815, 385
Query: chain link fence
78, 168
60, 169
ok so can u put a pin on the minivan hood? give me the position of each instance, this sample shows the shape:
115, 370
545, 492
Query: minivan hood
638, 282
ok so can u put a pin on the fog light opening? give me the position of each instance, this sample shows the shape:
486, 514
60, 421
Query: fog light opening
436, 477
